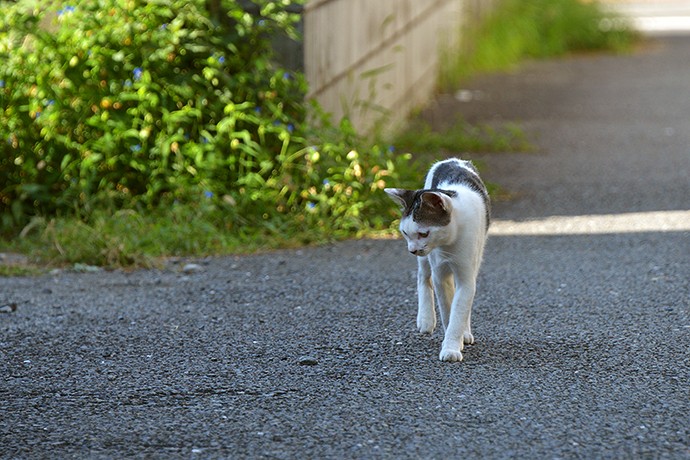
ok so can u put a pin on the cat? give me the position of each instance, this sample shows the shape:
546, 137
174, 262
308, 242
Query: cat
445, 225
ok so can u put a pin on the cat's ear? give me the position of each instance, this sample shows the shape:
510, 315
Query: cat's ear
401, 196
436, 201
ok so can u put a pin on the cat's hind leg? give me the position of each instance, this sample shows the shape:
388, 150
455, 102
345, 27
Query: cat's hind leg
444, 287
467, 336
426, 316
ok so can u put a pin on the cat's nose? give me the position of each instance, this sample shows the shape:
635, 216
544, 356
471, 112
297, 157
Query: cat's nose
415, 252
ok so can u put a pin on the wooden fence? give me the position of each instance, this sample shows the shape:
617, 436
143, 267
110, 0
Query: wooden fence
376, 60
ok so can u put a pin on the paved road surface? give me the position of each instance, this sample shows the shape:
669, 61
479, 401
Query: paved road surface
582, 337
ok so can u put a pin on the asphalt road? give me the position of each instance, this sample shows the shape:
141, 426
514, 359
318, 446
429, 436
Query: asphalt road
582, 336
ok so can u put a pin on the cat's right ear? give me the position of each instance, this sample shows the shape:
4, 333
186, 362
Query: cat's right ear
401, 196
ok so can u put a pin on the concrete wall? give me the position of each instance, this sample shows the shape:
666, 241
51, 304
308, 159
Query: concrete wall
368, 58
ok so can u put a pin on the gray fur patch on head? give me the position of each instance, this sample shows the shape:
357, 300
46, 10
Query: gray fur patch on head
428, 208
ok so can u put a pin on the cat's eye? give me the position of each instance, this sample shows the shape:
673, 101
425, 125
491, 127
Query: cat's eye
423, 235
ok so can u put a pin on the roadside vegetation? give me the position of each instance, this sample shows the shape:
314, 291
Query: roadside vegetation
135, 130
129, 132
536, 29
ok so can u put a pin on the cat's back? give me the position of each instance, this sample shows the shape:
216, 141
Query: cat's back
453, 172
458, 175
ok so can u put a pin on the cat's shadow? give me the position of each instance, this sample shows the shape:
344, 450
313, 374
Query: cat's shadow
534, 353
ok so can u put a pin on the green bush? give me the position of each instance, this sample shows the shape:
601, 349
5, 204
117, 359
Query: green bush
111, 104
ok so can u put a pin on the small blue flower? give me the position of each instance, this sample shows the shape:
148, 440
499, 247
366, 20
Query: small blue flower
65, 10
391, 149
326, 182
128, 83
311, 205
38, 114
2, 83
257, 110
221, 59
135, 148
286, 76
164, 26
208, 194
137, 73
49, 102
290, 127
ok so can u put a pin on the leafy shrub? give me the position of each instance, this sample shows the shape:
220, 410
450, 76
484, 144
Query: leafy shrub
110, 104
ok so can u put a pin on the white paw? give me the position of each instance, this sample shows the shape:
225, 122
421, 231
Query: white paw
450, 355
467, 338
426, 325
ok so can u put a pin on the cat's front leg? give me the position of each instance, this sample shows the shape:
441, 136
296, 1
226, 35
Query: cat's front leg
451, 349
450, 356
426, 316
458, 332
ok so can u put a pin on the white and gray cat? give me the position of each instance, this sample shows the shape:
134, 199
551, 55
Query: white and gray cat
445, 225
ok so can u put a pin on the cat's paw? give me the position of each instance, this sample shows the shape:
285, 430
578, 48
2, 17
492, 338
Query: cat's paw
426, 325
467, 338
449, 355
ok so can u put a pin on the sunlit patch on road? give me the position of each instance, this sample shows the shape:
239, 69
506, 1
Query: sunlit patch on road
633, 222
657, 17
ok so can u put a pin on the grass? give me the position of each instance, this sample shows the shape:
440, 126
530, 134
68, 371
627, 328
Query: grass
420, 137
535, 29
130, 238
22, 269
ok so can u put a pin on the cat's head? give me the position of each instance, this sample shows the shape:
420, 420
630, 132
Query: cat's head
425, 217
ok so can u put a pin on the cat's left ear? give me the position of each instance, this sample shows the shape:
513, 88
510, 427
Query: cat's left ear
436, 201
401, 196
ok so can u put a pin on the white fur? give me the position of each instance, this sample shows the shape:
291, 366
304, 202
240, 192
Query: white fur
448, 264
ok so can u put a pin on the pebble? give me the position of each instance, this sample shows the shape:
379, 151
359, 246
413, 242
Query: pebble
9, 308
192, 268
308, 361
85, 268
